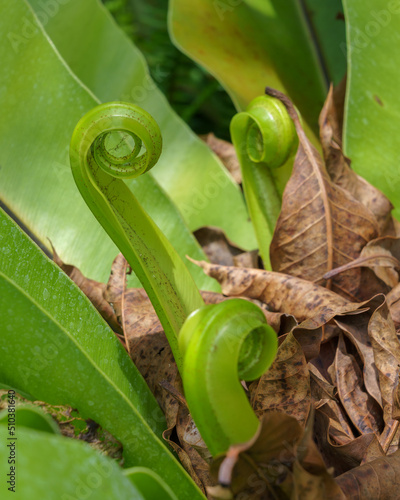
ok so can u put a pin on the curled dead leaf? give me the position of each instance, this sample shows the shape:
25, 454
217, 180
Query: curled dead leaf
338, 166
321, 226
376, 480
93, 290
285, 386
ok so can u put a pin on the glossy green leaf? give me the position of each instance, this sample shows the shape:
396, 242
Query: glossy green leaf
41, 102
50, 467
55, 346
373, 102
265, 141
328, 26
32, 417
252, 44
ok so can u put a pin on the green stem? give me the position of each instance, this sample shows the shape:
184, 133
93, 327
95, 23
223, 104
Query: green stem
100, 157
223, 344
265, 139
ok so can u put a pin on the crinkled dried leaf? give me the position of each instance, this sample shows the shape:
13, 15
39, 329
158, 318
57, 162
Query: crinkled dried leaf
339, 431
192, 443
321, 389
321, 226
268, 456
308, 486
382, 256
94, 290
377, 480
338, 166
285, 387
280, 292
393, 301
356, 329
386, 348
342, 457
310, 477
361, 408
184, 458
116, 285
282, 460
216, 246
282, 323
390, 437
247, 259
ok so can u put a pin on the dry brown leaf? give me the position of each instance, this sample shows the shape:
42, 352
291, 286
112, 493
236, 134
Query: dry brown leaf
285, 387
280, 460
321, 389
311, 486
189, 434
93, 290
116, 284
386, 348
226, 153
393, 301
216, 246
269, 456
321, 226
377, 480
246, 259
282, 323
184, 458
373, 452
338, 429
338, 166
389, 439
326, 359
342, 457
361, 408
356, 329
192, 443
381, 256
282, 293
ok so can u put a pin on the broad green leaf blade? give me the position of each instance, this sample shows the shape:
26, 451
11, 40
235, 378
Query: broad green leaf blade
53, 467
55, 346
190, 174
372, 114
41, 102
32, 417
253, 44
329, 28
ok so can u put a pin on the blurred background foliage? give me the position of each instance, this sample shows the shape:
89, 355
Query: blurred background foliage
195, 95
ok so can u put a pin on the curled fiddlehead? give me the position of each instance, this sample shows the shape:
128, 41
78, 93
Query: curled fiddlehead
218, 344
112, 142
265, 139
222, 344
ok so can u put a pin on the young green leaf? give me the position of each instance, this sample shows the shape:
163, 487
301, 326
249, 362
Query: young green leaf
56, 347
222, 344
265, 141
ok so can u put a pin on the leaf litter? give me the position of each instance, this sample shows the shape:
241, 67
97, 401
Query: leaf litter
329, 406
